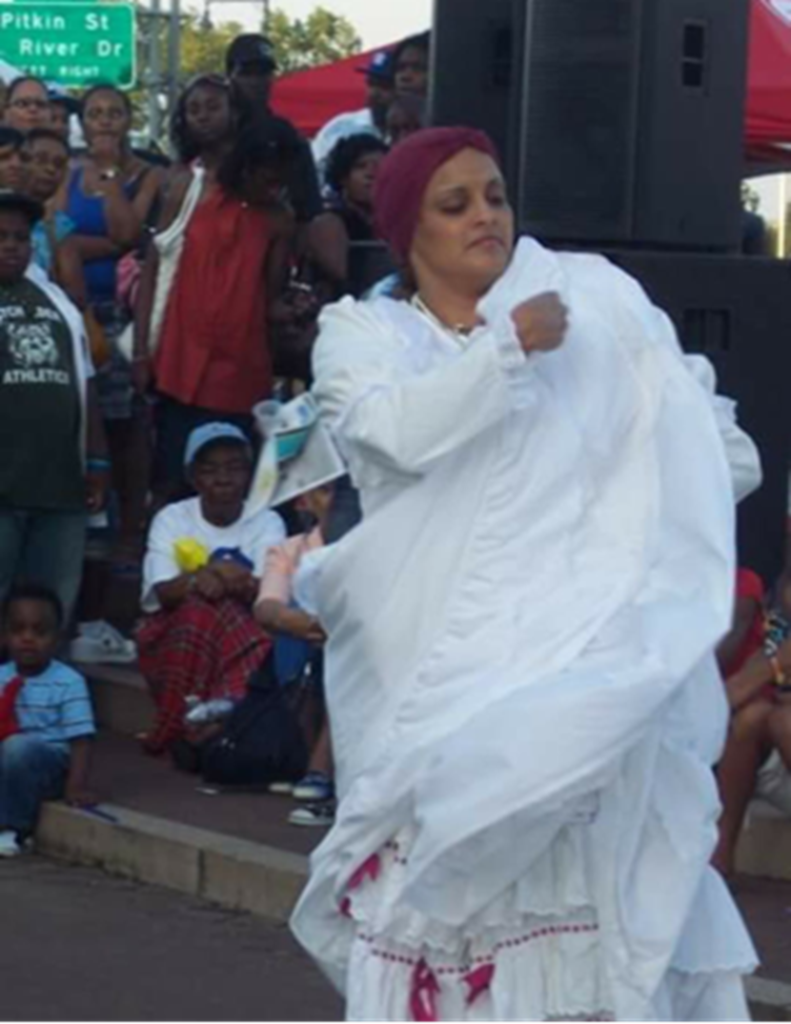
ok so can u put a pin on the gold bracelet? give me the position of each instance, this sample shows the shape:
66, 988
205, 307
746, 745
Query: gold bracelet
780, 677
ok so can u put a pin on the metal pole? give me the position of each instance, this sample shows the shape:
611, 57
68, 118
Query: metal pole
154, 72
174, 54
267, 12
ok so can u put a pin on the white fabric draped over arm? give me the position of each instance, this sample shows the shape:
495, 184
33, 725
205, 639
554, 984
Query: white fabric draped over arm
384, 415
741, 452
740, 449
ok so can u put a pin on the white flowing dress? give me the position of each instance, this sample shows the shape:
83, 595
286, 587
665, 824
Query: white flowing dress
524, 701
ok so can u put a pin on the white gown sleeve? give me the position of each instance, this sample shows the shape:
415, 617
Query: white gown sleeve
741, 451
386, 415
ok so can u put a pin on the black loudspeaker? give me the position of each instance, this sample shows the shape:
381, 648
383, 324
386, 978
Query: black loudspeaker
476, 61
620, 121
735, 311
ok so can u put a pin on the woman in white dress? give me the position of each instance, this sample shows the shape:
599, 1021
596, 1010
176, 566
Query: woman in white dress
524, 700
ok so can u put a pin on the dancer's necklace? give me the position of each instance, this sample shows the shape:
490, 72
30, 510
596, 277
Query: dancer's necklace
459, 332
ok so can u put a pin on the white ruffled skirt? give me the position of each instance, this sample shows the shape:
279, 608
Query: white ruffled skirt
534, 953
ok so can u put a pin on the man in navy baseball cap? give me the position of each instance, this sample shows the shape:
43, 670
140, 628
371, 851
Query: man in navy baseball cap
371, 120
379, 68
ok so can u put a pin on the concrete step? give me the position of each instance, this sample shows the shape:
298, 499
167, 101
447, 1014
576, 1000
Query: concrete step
121, 700
764, 849
158, 825
769, 1000
122, 704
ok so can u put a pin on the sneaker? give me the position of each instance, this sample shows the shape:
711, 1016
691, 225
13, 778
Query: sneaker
281, 788
321, 815
99, 642
9, 844
100, 628
315, 787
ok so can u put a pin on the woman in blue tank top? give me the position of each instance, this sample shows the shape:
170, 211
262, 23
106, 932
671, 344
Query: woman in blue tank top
110, 197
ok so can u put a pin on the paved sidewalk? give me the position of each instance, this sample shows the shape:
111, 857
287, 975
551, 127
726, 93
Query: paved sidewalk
82, 946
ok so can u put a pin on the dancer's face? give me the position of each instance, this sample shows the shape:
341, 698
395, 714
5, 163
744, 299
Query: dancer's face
465, 235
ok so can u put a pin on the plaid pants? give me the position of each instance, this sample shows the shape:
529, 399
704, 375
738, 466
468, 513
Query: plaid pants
200, 648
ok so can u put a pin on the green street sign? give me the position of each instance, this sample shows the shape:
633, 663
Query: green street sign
70, 43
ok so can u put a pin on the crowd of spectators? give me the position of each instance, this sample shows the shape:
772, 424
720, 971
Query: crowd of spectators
146, 308
145, 311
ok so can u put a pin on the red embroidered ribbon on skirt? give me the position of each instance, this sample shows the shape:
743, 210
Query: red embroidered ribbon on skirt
423, 994
369, 869
479, 981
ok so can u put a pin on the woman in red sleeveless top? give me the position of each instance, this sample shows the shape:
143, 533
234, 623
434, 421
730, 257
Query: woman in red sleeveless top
213, 358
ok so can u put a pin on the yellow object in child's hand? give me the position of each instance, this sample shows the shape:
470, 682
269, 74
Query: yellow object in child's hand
190, 554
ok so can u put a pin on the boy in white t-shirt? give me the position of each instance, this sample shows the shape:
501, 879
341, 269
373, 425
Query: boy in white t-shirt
200, 578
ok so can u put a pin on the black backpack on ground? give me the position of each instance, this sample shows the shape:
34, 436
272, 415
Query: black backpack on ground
268, 735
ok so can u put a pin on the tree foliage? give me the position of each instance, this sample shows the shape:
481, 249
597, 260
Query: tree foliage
203, 46
321, 38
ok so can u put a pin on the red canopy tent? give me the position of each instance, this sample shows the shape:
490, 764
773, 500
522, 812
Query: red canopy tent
310, 98
768, 115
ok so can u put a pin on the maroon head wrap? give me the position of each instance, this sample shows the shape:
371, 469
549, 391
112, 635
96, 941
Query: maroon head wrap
405, 172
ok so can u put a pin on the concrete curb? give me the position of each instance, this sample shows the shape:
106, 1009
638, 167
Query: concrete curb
769, 1000
234, 873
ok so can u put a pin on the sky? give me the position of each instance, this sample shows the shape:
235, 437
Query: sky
377, 21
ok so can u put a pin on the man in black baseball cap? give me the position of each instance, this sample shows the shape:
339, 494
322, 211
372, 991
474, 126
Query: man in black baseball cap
250, 64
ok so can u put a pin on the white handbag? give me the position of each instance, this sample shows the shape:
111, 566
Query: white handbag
170, 245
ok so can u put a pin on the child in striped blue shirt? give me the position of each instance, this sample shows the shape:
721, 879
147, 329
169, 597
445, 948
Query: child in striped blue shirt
46, 719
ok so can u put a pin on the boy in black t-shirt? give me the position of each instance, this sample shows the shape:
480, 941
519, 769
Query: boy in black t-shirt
53, 464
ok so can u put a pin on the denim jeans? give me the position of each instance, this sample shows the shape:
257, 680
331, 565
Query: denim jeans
45, 548
31, 771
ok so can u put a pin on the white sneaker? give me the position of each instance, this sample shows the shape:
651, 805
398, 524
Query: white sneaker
313, 815
101, 628
99, 642
281, 788
9, 844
